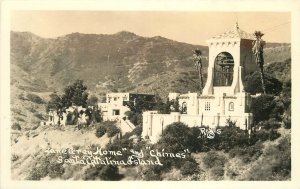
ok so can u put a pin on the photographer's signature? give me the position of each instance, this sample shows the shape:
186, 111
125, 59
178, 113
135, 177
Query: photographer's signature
209, 133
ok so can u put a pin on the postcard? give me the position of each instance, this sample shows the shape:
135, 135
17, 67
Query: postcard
174, 94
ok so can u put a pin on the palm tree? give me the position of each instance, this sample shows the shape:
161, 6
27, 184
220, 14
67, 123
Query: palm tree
198, 64
257, 50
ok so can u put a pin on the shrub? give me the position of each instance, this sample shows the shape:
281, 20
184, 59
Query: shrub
112, 130
269, 124
107, 172
32, 109
34, 98
212, 159
263, 135
16, 126
14, 157
262, 107
188, 168
179, 137
230, 123
95, 115
275, 163
37, 173
39, 116
229, 138
151, 173
55, 170
135, 118
100, 131
46, 165
217, 172
92, 100
253, 84
20, 119
247, 154
108, 127
137, 131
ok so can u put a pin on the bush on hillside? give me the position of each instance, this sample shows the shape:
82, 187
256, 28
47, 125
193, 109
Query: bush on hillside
100, 131
275, 163
247, 154
108, 127
253, 84
214, 159
16, 126
262, 107
189, 168
100, 172
269, 124
135, 118
112, 130
34, 98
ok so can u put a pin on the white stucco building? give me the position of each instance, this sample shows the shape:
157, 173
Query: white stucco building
53, 118
117, 104
223, 97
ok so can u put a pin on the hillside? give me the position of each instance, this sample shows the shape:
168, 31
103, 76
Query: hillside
119, 62
115, 62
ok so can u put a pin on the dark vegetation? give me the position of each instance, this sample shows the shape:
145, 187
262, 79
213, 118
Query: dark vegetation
108, 127
75, 95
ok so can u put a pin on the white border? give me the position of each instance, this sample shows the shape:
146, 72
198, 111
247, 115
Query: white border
146, 5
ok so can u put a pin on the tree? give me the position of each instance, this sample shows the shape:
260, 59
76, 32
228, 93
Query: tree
75, 94
56, 104
135, 118
178, 137
198, 64
262, 107
161, 106
174, 105
253, 84
92, 101
257, 49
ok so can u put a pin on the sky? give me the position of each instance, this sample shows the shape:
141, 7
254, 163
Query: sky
188, 27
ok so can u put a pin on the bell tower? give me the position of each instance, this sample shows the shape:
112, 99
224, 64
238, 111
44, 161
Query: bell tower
230, 59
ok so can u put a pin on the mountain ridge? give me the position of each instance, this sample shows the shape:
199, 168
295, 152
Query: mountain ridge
122, 61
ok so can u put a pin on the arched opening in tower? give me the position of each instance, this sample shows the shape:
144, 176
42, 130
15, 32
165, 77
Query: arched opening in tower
223, 69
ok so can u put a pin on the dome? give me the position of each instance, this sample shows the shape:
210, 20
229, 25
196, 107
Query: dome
235, 33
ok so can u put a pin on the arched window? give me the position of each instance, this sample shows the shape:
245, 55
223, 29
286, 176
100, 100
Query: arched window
184, 108
231, 106
223, 69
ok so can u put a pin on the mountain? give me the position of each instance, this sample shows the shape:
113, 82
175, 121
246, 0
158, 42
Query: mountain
105, 62
119, 62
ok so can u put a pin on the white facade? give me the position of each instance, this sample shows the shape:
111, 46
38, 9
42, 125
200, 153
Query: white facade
114, 108
53, 118
223, 97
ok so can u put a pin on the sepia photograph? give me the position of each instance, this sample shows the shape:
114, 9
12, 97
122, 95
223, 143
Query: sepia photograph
136, 95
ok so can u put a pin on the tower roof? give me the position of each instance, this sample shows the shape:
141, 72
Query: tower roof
235, 33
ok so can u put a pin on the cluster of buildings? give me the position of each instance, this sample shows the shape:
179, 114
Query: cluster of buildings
222, 98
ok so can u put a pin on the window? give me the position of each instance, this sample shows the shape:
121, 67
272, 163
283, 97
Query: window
116, 112
115, 98
207, 106
231, 106
223, 69
184, 108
